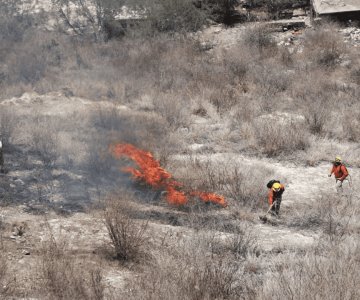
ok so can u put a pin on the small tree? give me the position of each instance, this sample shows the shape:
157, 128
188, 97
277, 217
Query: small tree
84, 15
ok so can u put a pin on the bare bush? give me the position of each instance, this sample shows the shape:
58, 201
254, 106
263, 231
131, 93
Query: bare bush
176, 16
316, 114
13, 23
27, 66
274, 138
127, 235
351, 125
242, 183
243, 243
332, 214
45, 140
331, 275
259, 39
271, 79
63, 277
324, 46
7, 280
355, 75
107, 118
192, 271
225, 98
174, 109
8, 125
92, 17
98, 160
245, 184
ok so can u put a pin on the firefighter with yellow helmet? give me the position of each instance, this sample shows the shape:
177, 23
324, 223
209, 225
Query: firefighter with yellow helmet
276, 189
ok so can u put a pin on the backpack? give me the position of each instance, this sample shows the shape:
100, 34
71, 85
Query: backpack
271, 182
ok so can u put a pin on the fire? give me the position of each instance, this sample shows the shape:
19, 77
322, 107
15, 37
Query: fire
150, 171
209, 197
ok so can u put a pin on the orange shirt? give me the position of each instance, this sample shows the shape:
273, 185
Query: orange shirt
340, 172
273, 195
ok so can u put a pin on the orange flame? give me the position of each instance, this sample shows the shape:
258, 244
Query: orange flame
154, 175
209, 197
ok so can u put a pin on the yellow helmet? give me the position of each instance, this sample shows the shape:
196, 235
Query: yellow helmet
337, 159
276, 187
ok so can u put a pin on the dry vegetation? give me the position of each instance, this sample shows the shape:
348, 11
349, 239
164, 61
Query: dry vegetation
207, 115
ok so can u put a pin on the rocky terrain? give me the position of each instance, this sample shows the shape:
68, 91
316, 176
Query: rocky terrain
223, 110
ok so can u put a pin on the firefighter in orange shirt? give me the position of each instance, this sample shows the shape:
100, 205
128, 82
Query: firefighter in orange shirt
274, 197
340, 172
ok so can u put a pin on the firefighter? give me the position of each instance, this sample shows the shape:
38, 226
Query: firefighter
274, 196
340, 172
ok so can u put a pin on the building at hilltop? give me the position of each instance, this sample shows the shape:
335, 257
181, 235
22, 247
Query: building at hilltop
340, 9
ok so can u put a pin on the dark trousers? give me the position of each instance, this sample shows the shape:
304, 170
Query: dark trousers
275, 209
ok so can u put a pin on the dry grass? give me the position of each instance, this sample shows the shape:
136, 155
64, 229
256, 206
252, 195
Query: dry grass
64, 276
44, 140
275, 139
325, 46
315, 275
8, 125
7, 279
172, 78
239, 182
193, 270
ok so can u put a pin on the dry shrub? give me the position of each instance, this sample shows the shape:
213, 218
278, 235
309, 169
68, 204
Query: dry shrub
351, 125
99, 162
259, 39
7, 280
176, 16
321, 274
225, 98
243, 113
244, 242
242, 183
193, 270
324, 46
127, 235
104, 118
355, 74
237, 61
331, 213
318, 98
44, 139
8, 125
316, 116
271, 79
107, 122
275, 138
245, 184
62, 276
174, 109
